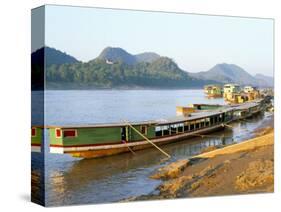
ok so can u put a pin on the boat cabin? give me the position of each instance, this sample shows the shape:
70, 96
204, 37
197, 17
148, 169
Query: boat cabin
69, 136
111, 134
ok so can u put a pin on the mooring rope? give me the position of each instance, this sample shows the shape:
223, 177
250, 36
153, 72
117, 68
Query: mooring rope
153, 144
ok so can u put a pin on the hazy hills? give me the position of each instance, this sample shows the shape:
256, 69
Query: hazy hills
226, 73
230, 73
120, 55
99, 74
116, 68
262, 80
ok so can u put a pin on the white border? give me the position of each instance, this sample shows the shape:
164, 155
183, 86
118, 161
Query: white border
15, 84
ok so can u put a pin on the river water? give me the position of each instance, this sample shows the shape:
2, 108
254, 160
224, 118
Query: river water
70, 180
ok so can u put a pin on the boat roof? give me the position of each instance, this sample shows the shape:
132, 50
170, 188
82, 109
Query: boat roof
193, 116
103, 125
245, 105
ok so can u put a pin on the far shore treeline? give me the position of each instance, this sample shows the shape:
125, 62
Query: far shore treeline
116, 68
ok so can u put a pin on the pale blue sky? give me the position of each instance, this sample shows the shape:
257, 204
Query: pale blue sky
195, 42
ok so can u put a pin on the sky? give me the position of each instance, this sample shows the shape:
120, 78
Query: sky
195, 42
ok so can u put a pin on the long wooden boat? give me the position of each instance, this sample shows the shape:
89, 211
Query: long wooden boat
91, 141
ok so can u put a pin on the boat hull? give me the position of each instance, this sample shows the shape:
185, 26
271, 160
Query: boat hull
108, 150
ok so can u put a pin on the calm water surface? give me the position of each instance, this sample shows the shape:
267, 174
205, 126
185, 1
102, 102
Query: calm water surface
86, 107
75, 181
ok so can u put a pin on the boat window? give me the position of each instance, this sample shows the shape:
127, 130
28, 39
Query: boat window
33, 132
191, 127
69, 133
226, 116
165, 127
216, 119
220, 118
158, 131
197, 125
58, 133
173, 129
181, 127
166, 130
158, 128
144, 129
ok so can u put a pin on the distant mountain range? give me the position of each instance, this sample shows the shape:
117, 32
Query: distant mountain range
264, 81
116, 68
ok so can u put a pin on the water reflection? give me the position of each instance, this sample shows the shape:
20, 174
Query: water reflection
38, 178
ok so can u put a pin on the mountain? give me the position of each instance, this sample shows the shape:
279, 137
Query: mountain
228, 73
264, 81
52, 56
147, 57
116, 68
115, 54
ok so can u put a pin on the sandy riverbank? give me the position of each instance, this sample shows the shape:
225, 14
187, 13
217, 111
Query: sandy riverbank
242, 168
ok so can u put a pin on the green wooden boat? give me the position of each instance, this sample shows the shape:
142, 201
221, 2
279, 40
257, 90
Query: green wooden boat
99, 140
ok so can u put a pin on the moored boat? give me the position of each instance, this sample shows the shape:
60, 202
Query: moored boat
99, 140
213, 91
103, 140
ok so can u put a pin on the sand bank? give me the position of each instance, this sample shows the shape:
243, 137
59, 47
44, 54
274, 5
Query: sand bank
246, 167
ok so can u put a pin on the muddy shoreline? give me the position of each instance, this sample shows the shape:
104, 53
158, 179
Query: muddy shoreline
243, 168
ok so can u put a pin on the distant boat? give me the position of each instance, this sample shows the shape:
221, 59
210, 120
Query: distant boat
213, 91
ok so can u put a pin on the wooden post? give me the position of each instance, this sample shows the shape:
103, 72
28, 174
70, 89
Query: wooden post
127, 133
